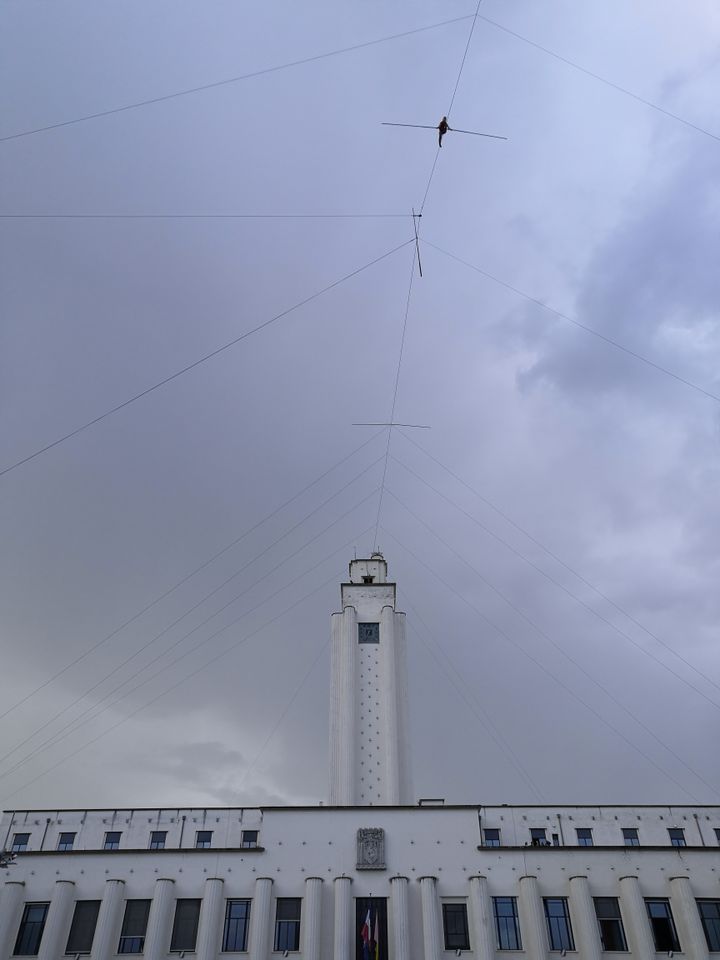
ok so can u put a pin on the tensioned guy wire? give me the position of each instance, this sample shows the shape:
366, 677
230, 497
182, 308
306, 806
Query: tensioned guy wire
232, 80
201, 360
559, 560
189, 576
576, 323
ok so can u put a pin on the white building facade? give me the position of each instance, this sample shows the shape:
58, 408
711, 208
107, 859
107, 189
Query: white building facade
370, 877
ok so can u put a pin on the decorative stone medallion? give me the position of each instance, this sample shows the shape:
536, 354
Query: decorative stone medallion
371, 848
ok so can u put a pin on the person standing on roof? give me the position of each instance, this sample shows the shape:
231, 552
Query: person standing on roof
443, 128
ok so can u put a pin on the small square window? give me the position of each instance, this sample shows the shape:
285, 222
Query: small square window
66, 841
538, 837
249, 838
630, 837
20, 842
203, 839
584, 836
368, 633
112, 840
157, 839
677, 836
491, 837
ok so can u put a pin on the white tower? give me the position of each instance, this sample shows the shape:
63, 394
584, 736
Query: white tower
369, 753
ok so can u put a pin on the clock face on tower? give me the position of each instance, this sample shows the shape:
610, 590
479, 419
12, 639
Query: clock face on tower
368, 633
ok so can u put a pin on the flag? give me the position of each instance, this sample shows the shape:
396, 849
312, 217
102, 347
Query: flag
376, 938
365, 936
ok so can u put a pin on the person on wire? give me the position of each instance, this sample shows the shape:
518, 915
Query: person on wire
443, 128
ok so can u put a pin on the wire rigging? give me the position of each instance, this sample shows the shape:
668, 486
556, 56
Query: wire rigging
557, 646
464, 57
209, 216
559, 560
576, 323
561, 586
205, 563
203, 359
231, 80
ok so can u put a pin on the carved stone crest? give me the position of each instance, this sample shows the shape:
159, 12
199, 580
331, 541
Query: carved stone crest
371, 848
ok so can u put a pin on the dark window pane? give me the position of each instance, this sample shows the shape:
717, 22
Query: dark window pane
20, 842
249, 838
558, 923
717, 835
31, 930
584, 837
82, 929
663, 925
237, 919
66, 841
677, 836
112, 840
491, 837
287, 923
369, 633
538, 837
185, 925
455, 926
203, 838
710, 917
506, 923
157, 839
630, 836
612, 934
132, 934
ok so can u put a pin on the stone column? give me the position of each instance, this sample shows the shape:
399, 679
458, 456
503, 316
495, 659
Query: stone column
210, 925
260, 919
432, 931
10, 913
400, 917
59, 918
107, 931
391, 731
587, 934
343, 939
313, 918
692, 938
481, 919
157, 938
532, 919
635, 913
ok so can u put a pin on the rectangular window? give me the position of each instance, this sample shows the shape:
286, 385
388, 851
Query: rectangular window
66, 841
710, 917
491, 837
132, 934
612, 934
584, 836
203, 839
630, 837
20, 842
663, 925
368, 633
677, 836
287, 923
237, 921
538, 837
31, 930
455, 926
112, 840
507, 925
82, 928
717, 835
157, 839
558, 923
249, 838
185, 925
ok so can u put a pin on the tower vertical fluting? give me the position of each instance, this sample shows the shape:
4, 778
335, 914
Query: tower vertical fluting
369, 762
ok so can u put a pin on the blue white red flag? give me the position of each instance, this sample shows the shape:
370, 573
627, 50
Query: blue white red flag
365, 936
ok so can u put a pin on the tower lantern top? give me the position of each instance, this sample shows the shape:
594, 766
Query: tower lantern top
373, 570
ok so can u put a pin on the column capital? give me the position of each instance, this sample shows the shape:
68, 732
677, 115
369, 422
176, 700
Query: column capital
264, 878
349, 879
428, 877
578, 876
399, 876
680, 876
529, 876
14, 883
629, 876
478, 876
313, 878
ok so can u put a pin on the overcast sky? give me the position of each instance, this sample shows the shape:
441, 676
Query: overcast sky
554, 535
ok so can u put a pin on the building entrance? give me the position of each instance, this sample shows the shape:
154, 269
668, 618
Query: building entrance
371, 942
